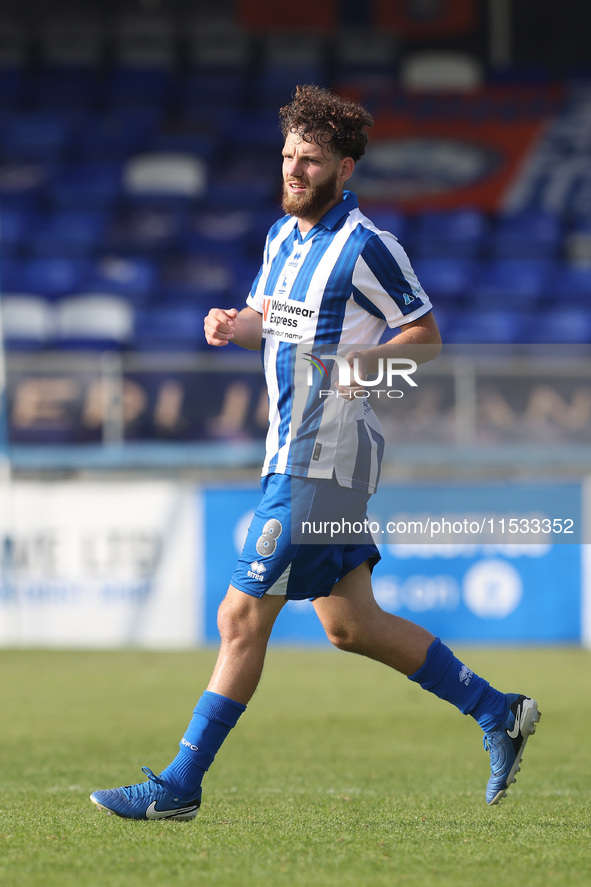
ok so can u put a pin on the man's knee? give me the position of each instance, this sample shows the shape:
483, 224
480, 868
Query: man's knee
242, 616
345, 636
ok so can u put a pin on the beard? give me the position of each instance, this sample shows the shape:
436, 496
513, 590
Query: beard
310, 204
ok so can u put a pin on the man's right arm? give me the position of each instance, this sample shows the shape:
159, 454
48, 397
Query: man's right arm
224, 325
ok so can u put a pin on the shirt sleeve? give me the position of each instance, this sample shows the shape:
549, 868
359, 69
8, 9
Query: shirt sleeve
255, 296
385, 284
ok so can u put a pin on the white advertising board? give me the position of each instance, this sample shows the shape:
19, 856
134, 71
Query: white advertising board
99, 564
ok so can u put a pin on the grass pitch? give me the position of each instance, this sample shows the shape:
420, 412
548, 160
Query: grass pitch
340, 773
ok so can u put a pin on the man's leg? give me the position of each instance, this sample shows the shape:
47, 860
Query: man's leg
353, 621
245, 623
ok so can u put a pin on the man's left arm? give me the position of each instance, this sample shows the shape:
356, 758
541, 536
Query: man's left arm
418, 340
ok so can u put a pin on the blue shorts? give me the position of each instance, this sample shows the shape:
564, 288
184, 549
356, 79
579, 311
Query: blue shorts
278, 557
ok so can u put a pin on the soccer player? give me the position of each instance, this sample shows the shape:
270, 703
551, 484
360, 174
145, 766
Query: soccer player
330, 280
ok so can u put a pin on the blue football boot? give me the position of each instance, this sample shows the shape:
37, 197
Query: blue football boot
506, 744
146, 800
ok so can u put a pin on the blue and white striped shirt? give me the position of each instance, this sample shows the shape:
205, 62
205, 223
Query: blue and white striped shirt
331, 291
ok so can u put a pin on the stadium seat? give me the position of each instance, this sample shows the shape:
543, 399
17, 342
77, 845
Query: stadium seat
131, 86
164, 179
457, 233
13, 86
134, 278
390, 220
85, 186
215, 90
186, 136
170, 328
512, 283
68, 233
488, 327
577, 240
571, 285
250, 179
445, 70
446, 280
31, 136
94, 321
28, 321
144, 232
568, 325
15, 226
222, 234
530, 234
51, 277
207, 279
116, 135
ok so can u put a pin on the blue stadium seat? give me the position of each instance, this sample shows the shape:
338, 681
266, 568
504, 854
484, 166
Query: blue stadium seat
531, 234
568, 325
457, 233
571, 284
145, 232
116, 135
68, 233
136, 278
222, 234
136, 86
217, 90
495, 326
51, 277
446, 279
90, 186
22, 185
513, 283
15, 226
208, 279
252, 179
170, 328
13, 86
390, 220
36, 136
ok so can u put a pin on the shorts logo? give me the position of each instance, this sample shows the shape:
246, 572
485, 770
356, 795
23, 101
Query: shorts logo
256, 571
267, 541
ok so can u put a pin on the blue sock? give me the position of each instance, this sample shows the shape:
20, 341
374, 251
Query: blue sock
449, 679
213, 718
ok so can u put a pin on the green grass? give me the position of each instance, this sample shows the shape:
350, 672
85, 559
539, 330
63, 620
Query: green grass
340, 773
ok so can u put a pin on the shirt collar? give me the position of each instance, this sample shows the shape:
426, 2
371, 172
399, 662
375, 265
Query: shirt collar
333, 216
331, 219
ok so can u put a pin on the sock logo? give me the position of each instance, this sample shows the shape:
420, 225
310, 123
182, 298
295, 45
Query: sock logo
465, 675
187, 744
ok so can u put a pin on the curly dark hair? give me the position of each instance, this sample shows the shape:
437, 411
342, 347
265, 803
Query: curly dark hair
328, 120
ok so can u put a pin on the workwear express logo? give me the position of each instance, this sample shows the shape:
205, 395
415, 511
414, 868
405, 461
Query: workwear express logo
349, 382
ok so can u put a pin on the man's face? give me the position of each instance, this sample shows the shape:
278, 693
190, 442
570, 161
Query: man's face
310, 178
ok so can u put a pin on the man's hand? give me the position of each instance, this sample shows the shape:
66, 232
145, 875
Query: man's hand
219, 326
244, 328
348, 393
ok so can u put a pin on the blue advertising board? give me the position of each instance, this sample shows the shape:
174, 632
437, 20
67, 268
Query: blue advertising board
496, 575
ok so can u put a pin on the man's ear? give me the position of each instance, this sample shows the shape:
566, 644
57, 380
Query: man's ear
346, 168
